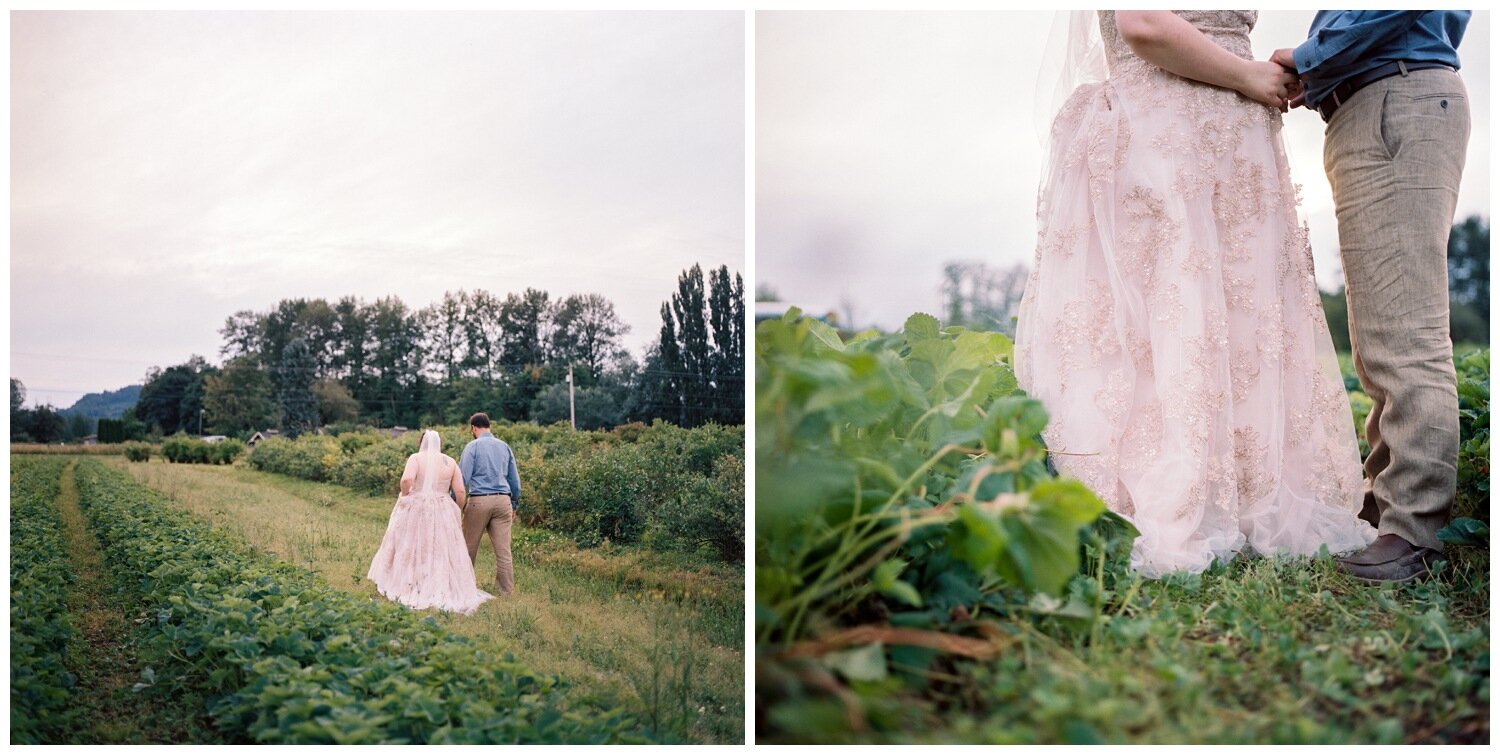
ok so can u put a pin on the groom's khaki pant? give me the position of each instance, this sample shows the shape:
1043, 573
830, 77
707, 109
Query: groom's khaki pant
492, 513
1394, 155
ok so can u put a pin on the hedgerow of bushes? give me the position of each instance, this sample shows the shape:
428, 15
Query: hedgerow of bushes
660, 485
181, 449
40, 684
287, 659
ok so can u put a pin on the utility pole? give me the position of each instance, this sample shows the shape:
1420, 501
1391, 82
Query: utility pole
572, 419
200, 421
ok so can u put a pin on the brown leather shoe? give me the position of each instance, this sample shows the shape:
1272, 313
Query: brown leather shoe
1389, 559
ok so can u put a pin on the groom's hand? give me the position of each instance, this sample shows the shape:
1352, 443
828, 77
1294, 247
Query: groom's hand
1285, 59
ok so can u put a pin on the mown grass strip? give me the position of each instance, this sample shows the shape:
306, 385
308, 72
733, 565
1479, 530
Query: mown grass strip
283, 657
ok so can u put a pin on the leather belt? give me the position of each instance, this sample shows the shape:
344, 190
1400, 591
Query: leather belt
1348, 87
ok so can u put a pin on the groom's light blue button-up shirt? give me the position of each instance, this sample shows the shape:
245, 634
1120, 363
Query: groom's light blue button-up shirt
489, 468
1343, 44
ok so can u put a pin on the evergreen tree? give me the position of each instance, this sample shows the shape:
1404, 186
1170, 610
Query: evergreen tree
690, 309
727, 319
299, 407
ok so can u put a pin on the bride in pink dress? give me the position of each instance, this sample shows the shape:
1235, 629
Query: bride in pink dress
1171, 324
423, 561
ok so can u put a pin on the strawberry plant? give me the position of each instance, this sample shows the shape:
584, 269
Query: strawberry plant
1474, 432
902, 504
40, 573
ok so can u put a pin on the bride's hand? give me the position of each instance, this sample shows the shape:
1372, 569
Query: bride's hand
1268, 83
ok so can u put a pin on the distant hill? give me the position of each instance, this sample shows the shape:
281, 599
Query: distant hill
109, 404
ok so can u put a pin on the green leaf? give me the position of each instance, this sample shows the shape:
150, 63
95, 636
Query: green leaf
921, 326
904, 592
887, 573
1466, 531
1011, 424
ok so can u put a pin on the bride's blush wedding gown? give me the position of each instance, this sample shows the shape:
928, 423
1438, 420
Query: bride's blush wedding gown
423, 561
1171, 324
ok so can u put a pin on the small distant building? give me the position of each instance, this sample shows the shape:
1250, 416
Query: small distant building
397, 431
91, 440
262, 435
213, 438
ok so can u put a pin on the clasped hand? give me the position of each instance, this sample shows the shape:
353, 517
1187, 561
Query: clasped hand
1296, 90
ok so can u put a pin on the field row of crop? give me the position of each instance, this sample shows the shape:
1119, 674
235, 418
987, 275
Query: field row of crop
286, 658
40, 684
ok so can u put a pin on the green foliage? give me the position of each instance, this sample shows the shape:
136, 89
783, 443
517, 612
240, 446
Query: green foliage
596, 407
239, 399
172, 398
669, 487
310, 457
41, 687
1474, 435
1336, 313
181, 449
704, 512
1469, 279
287, 659
899, 476
138, 451
295, 397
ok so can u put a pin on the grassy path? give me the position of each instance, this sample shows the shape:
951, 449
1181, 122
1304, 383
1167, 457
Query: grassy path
665, 632
1256, 651
102, 656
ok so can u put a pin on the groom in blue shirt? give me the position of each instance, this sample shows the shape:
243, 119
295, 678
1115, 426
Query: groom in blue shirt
1387, 85
494, 491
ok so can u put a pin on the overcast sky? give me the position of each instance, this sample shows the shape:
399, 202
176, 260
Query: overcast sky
169, 169
889, 143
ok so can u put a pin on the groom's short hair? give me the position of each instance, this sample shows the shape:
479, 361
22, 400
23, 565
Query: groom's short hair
480, 419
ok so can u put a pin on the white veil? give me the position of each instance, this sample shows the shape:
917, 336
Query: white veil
430, 462
1074, 56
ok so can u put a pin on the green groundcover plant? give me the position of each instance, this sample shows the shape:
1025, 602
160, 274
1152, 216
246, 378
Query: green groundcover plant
902, 505
41, 687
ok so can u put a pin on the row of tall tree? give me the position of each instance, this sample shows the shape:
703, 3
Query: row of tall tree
310, 362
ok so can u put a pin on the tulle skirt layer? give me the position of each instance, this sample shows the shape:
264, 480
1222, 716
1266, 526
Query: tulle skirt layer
423, 561
1173, 329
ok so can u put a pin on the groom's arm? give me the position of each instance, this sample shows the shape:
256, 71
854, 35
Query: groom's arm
1341, 44
513, 477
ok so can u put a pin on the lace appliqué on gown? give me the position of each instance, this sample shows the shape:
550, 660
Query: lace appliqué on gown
1172, 325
